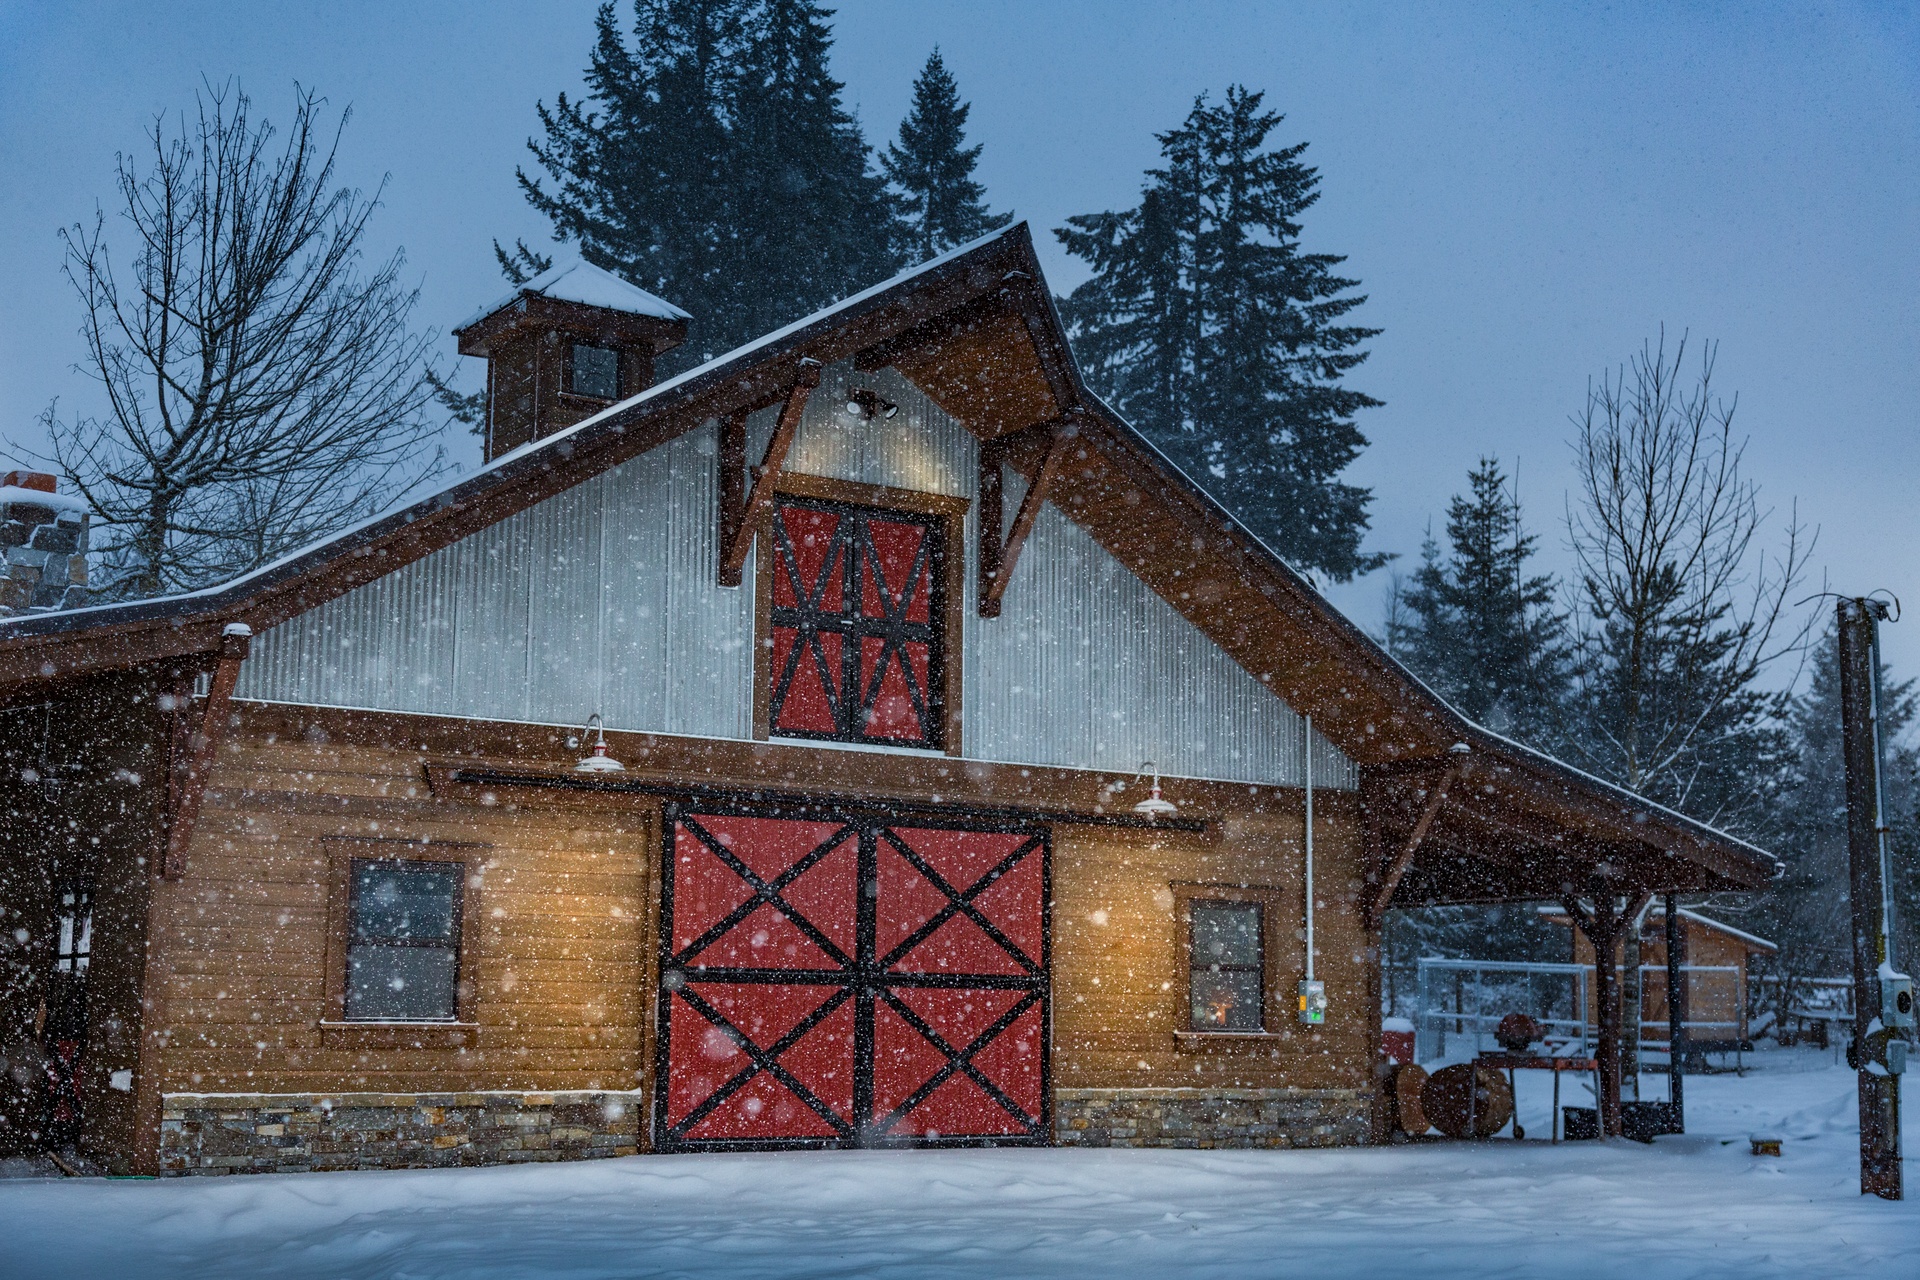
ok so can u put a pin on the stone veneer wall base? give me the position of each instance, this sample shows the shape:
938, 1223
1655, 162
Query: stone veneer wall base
208, 1134
1209, 1118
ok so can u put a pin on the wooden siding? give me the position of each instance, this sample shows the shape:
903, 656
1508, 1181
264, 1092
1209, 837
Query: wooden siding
1120, 994
563, 982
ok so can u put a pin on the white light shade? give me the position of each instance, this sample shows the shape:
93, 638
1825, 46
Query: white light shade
598, 761
1155, 806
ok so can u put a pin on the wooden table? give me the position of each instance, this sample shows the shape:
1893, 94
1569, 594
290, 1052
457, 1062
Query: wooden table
1512, 1062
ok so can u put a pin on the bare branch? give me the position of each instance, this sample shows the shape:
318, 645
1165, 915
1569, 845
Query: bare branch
260, 388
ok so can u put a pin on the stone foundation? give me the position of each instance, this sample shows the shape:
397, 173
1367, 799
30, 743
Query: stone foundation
1210, 1117
205, 1134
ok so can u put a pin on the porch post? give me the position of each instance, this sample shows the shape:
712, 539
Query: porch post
1605, 937
1603, 926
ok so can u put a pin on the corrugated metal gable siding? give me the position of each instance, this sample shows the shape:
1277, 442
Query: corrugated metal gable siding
1087, 667
603, 598
600, 598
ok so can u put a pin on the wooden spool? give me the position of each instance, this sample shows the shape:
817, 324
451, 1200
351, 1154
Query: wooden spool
1408, 1080
1444, 1100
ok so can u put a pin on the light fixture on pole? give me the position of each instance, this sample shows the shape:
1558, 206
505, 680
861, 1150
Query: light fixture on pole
598, 761
1155, 806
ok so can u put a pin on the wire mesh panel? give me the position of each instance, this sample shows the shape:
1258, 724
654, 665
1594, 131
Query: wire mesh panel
845, 981
1463, 1001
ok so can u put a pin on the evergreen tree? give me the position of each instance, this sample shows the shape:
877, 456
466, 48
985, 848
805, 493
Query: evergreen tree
814, 221
1208, 326
1480, 629
712, 163
942, 204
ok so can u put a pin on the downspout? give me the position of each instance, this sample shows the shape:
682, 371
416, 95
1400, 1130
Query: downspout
1313, 994
1309, 769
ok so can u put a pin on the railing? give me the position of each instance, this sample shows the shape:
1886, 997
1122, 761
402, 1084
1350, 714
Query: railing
1658, 1043
1482, 992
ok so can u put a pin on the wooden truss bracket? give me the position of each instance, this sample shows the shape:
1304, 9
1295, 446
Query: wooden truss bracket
196, 735
740, 506
1393, 872
998, 555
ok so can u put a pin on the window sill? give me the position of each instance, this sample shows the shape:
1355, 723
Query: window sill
397, 1035
1206, 1041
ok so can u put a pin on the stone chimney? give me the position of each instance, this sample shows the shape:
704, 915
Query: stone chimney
562, 347
43, 536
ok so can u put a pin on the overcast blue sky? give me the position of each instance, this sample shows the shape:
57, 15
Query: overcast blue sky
1527, 192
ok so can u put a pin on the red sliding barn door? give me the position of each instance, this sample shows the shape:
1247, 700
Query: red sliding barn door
798, 1010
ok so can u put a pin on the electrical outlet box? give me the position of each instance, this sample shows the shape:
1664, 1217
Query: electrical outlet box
1896, 1000
1313, 1002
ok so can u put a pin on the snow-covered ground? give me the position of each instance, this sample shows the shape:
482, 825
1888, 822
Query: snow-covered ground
1698, 1205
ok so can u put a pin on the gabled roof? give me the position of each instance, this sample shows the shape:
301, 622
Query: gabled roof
588, 285
1753, 941
977, 330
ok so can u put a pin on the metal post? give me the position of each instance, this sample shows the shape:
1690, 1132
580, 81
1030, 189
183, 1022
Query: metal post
1676, 1020
1859, 745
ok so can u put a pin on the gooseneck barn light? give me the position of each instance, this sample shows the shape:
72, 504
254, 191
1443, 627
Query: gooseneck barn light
598, 761
1155, 806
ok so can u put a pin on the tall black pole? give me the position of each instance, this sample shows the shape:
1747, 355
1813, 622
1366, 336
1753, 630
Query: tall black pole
1859, 745
1676, 1020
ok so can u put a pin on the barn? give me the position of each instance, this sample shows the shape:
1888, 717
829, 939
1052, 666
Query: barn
864, 738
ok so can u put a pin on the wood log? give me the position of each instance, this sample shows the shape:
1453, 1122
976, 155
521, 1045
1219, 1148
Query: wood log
1445, 1100
1408, 1117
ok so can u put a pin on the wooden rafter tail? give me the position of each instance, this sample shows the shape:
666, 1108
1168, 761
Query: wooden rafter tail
1395, 871
733, 559
196, 740
994, 579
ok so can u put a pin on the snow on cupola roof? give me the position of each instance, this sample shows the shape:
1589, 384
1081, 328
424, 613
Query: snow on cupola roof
588, 285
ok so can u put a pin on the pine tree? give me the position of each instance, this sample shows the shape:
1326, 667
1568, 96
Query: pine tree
1480, 629
639, 167
1208, 326
815, 222
942, 204
712, 163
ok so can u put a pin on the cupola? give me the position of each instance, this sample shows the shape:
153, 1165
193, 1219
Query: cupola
563, 346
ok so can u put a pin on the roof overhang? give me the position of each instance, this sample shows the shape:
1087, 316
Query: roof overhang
977, 330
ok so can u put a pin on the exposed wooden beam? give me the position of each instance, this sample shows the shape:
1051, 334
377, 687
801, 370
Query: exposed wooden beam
1391, 874
194, 744
1031, 305
997, 561
733, 485
733, 557
934, 331
990, 521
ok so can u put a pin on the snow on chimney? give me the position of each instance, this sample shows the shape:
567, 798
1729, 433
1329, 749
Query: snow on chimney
43, 545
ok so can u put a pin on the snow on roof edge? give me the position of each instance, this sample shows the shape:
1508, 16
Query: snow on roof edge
590, 286
1306, 583
1138, 439
429, 499
1688, 913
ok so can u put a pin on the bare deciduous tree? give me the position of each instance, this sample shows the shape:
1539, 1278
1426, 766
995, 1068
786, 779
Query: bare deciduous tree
1680, 610
260, 391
